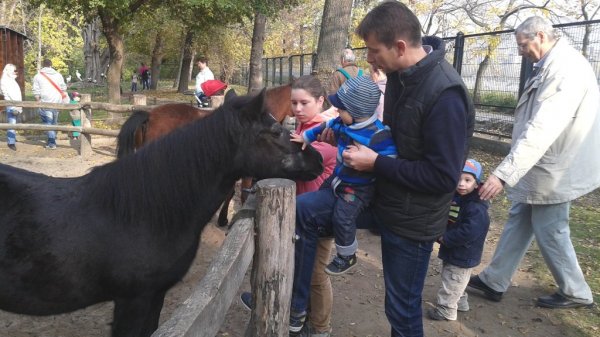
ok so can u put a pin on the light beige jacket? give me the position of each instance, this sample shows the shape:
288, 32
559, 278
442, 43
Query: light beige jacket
555, 151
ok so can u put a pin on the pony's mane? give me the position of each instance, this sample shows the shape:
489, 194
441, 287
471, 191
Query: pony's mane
167, 173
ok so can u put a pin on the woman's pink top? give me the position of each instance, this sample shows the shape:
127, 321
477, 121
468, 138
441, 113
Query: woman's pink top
327, 151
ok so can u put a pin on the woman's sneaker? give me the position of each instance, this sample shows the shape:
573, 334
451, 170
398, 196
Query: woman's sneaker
341, 264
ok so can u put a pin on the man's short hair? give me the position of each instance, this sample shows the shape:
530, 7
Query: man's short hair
535, 24
390, 21
202, 59
46, 63
348, 56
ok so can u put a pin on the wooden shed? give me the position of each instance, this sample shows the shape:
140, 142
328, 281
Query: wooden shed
11, 51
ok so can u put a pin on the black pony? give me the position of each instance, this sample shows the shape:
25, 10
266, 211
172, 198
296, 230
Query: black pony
129, 230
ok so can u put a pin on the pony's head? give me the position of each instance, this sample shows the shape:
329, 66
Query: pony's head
264, 149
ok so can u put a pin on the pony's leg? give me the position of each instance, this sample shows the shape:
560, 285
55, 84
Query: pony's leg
224, 212
137, 317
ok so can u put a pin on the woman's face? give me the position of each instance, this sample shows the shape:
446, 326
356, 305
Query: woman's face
305, 106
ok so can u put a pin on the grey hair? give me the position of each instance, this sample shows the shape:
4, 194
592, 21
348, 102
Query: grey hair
348, 55
535, 24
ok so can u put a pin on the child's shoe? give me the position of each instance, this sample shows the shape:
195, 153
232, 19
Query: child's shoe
341, 264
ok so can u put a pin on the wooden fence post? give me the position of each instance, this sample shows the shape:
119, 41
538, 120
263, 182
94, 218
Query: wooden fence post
139, 99
85, 139
216, 101
273, 266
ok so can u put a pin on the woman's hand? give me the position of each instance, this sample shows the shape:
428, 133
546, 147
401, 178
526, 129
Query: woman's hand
296, 138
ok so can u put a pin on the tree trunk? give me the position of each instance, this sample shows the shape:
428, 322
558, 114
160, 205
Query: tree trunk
333, 38
181, 52
157, 56
110, 29
255, 82
479, 79
185, 63
91, 52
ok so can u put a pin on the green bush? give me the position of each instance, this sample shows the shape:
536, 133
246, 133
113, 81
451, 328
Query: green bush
495, 98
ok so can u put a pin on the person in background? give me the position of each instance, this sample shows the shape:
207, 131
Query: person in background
553, 160
431, 117
134, 81
461, 246
380, 79
348, 70
203, 75
49, 87
145, 76
11, 91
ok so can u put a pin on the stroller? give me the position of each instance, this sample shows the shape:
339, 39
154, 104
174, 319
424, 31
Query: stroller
209, 89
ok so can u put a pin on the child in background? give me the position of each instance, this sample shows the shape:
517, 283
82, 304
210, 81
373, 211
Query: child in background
461, 245
349, 191
134, 81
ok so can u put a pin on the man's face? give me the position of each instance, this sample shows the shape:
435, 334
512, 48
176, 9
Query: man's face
530, 47
381, 56
201, 65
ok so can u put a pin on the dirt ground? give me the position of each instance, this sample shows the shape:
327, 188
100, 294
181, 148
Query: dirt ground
359, 295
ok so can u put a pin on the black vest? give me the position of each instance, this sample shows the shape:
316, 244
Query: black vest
409, 98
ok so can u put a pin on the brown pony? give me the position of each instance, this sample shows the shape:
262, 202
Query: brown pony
143, 127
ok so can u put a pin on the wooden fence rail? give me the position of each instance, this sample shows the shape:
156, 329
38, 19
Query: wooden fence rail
85, 147
203, 313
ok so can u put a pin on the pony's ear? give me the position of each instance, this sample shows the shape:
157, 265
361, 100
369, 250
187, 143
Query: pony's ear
230, 94
255, 107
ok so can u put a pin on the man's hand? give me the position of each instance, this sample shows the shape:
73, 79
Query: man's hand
491, 188
359, 157
296, 138
327, 136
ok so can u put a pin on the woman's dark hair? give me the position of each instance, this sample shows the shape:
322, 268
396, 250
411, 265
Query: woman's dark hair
311, 84
390, 21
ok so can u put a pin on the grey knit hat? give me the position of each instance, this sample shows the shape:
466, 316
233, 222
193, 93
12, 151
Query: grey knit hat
359, 96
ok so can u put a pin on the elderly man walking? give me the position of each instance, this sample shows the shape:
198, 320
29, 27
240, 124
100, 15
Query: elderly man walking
553, 160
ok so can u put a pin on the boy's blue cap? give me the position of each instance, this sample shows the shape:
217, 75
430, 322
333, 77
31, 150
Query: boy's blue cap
359, 96
474, 167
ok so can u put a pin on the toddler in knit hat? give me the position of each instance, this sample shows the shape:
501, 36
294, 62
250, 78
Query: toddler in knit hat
357, 125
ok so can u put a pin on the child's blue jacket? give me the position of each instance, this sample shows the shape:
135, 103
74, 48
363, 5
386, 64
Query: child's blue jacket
464, 239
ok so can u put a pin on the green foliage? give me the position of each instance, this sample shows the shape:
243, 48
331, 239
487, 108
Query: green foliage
498, 98
61, 41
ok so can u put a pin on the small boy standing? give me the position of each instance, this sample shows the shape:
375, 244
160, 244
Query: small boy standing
349, 190
461, 246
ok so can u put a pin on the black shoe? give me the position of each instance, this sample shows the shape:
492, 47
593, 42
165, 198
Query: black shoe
341, 264
476, 283
557, 301
436, 315
246, 298
12, 147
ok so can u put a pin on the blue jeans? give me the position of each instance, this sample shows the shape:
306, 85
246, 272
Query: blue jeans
11, 118
49, 117
405, 265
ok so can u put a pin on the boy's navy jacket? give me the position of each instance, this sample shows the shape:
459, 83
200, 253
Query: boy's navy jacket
464, 239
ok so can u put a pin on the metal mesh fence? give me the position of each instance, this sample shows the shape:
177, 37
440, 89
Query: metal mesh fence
489, 64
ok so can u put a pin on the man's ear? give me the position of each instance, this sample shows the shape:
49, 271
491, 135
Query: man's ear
400, 45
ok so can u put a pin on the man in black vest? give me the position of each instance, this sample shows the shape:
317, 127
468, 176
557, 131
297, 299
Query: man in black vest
431, 117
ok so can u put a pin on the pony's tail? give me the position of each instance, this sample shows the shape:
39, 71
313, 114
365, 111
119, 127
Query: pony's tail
126, 140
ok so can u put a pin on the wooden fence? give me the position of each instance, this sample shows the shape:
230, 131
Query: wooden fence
85, 106
272, 210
